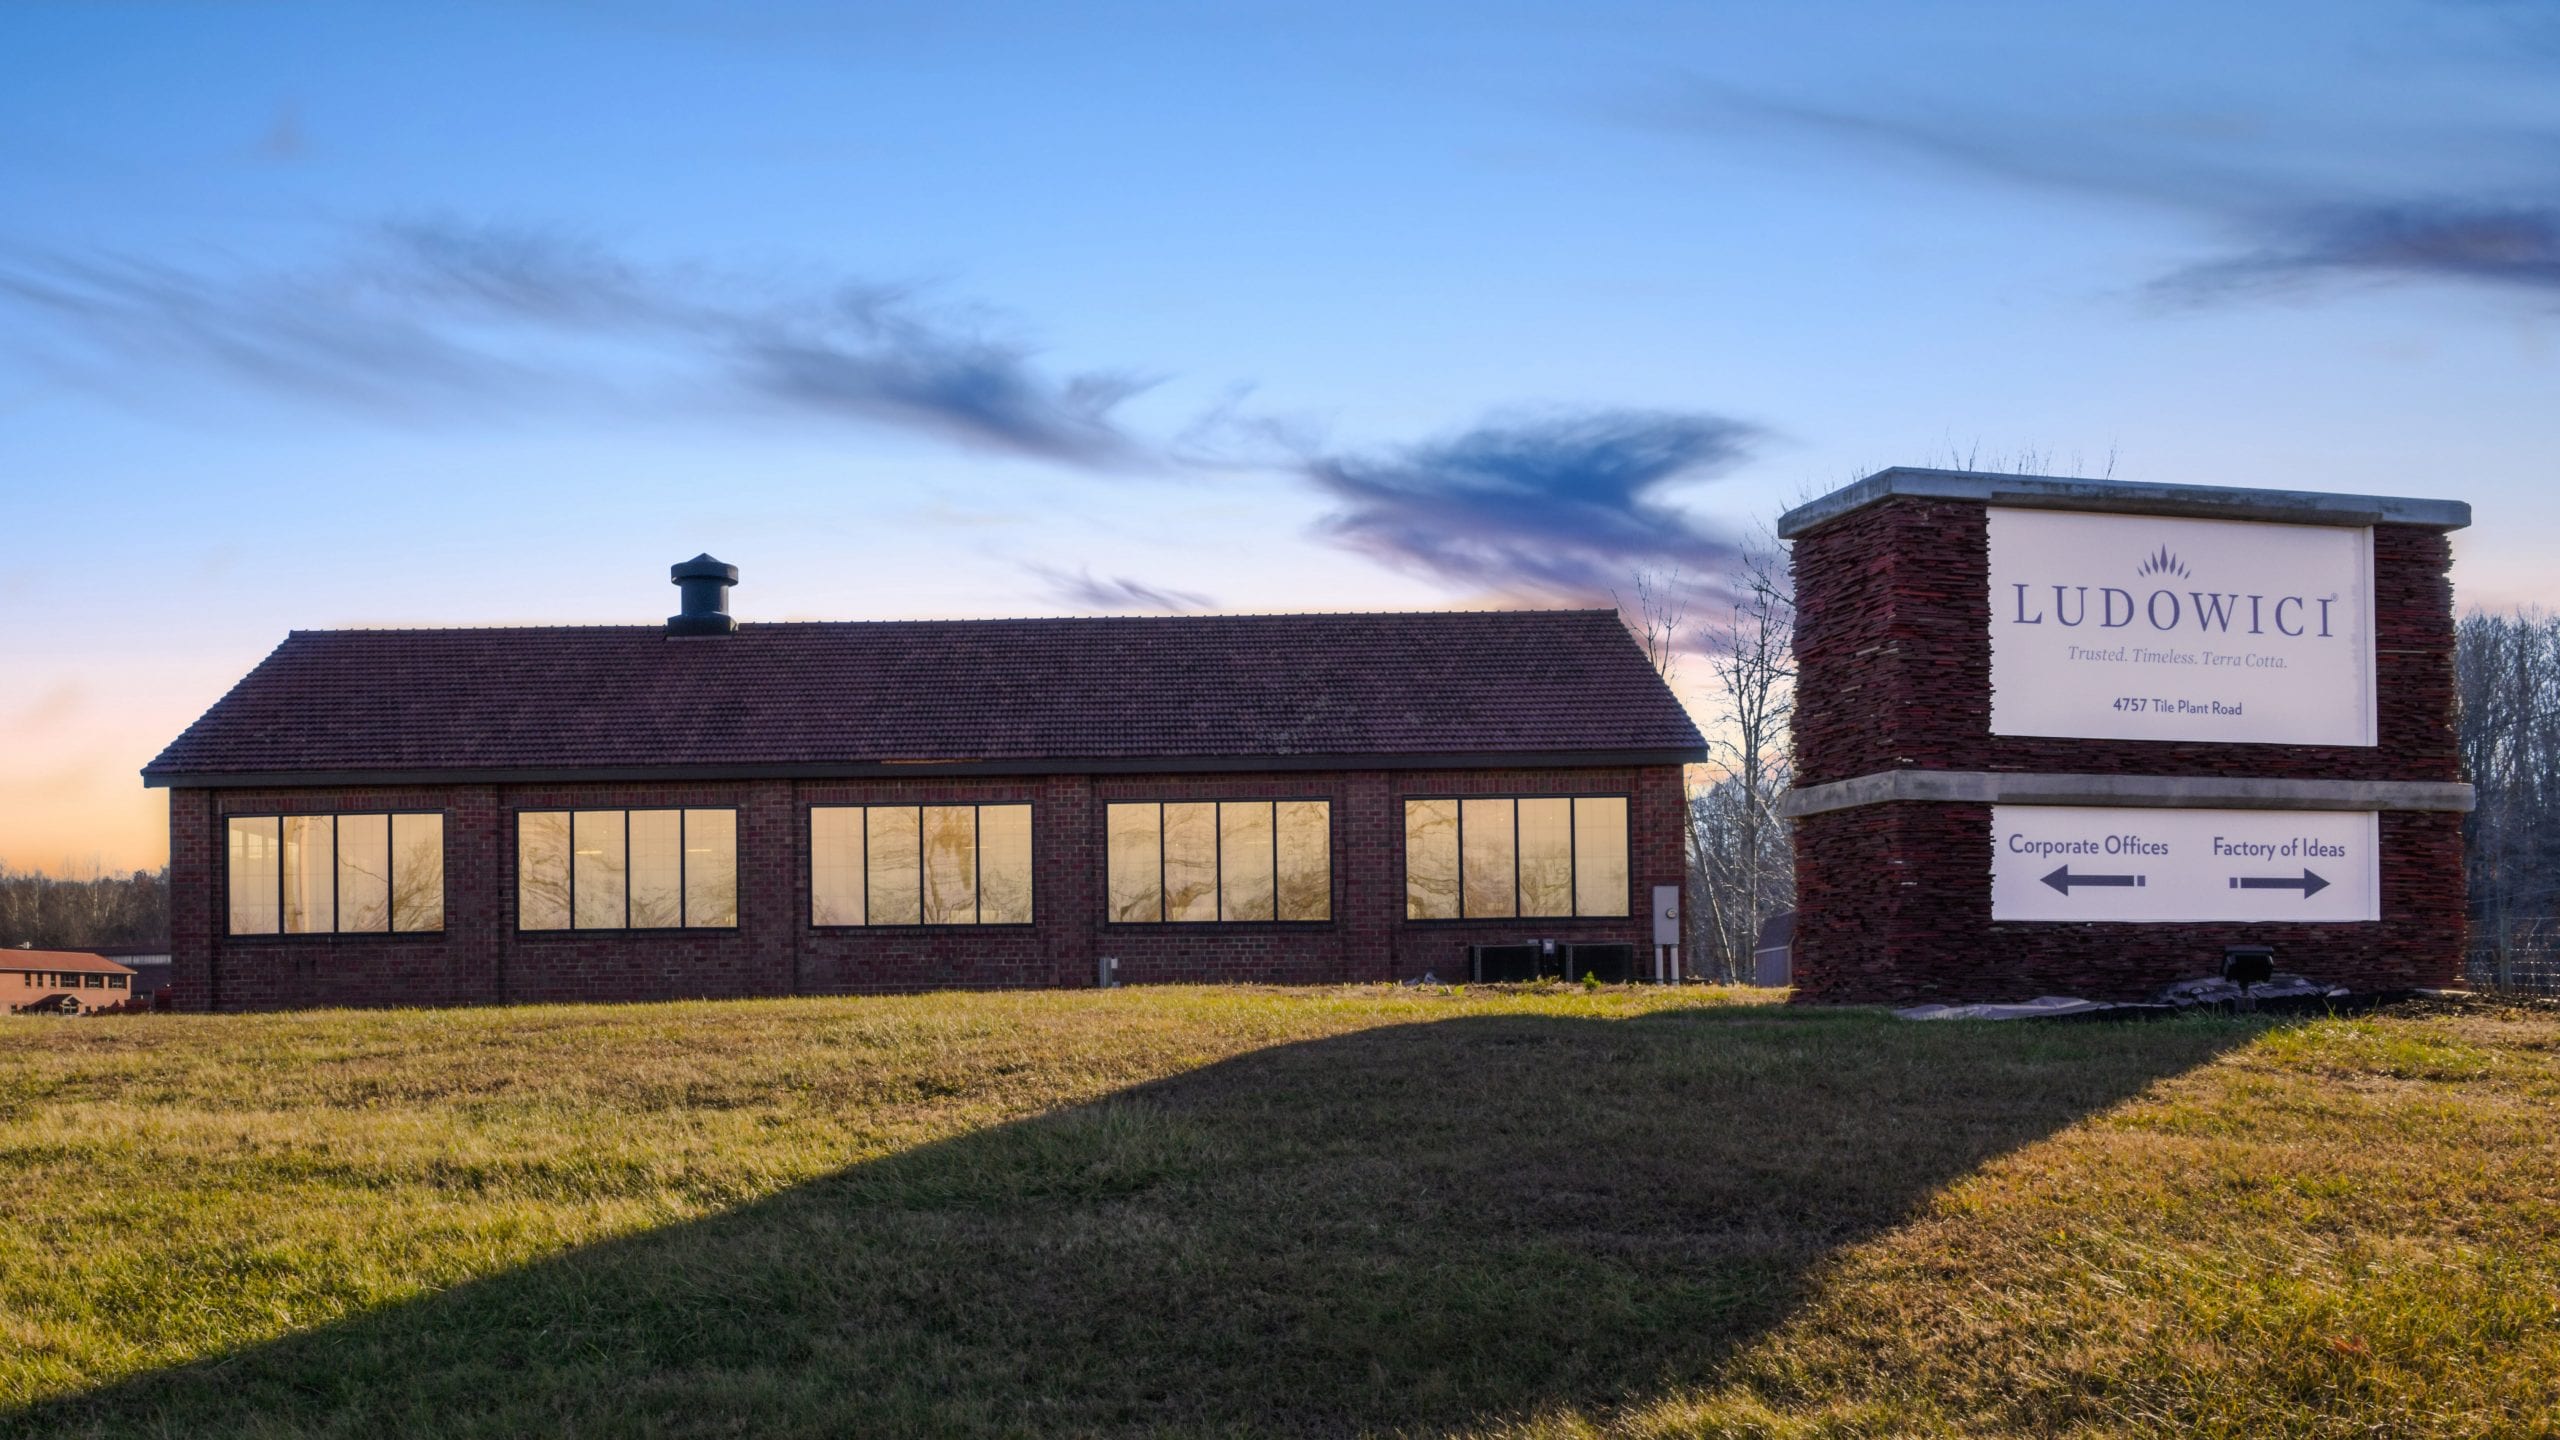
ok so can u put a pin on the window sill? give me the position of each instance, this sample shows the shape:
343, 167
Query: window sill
627, 932
1213, 927
309, 937
1518, 920
1019, 927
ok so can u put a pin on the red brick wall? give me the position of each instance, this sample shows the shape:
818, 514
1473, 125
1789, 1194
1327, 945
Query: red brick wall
1894, 672
481, 958
1893, 632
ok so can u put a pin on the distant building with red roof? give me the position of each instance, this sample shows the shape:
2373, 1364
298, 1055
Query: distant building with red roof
67, 981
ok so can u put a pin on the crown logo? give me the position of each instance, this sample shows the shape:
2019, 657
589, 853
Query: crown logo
2161, 562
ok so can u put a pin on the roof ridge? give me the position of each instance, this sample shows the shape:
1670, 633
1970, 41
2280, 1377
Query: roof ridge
566, 628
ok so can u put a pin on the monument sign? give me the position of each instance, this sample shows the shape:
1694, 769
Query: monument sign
2061, 736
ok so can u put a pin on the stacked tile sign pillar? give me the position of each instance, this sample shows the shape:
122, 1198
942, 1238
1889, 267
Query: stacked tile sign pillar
2059, 736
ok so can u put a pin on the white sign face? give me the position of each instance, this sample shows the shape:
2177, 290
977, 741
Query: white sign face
2076, 862
2139, 627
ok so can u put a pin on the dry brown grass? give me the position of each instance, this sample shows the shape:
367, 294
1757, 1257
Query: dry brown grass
1200, 1211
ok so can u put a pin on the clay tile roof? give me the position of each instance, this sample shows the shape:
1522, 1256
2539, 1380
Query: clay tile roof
77, 961
1061, 694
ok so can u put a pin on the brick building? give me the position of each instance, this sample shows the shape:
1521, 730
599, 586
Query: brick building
1899, 771
68, 982
708, 808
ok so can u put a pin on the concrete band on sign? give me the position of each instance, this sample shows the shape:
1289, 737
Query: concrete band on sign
1983, 787
2045, 492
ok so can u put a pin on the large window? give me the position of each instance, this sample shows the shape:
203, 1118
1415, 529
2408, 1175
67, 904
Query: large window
920, 865
1529, 857
1233, 860
335, 874
626, 869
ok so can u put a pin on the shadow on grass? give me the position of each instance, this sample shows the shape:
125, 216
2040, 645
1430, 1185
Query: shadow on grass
1410, 1229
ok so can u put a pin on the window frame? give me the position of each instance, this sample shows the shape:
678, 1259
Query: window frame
389, 931
1573, 854
977, 866
684, 889
1218, 852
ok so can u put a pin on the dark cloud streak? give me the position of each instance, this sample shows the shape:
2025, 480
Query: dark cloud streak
1118, 592
1546, 505
424, 319
2289, 229
2503, 246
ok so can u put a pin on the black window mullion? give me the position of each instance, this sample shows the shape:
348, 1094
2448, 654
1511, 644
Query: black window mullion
977, 869
1271, 822
1218, 856
684, 916
1573, 853
1164, 907
1458, 812
333, 868
1514, 857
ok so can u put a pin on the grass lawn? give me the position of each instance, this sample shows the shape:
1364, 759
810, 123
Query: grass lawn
1299, 1212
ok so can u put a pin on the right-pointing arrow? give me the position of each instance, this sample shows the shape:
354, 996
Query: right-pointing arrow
2309, 884
2063, 880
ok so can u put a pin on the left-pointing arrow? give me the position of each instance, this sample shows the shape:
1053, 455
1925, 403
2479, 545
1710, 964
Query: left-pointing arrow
2063, 880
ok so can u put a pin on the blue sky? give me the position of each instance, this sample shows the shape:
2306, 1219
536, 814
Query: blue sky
336, 315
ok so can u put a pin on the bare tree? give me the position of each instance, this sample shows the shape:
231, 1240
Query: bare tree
1660, 613
2507, 670
1742, 859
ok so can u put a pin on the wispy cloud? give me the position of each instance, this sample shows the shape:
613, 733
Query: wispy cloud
2294, 211
423, 319
2507, 246
1118, 592
1557, 505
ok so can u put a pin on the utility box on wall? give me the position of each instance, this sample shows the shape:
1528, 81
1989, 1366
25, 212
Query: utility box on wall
2081, 737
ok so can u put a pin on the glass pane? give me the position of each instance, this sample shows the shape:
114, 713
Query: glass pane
1191, 861
1600, 855
597, 845
950, 865
417, 872
1244, 860
1004, 864
1131, 841
1305, 830
310, 875
657, 869
711, 869
252, 847
897, 891
835, 865
542, 870
364, 873
1431, 859
1546, 857
1484, 829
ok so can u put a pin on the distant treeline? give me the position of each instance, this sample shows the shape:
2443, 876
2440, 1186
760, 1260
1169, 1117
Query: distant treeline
50, 913
2509, 668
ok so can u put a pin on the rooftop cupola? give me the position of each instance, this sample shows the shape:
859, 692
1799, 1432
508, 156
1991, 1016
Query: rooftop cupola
704, 584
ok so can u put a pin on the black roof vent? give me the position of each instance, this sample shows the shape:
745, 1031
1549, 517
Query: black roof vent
704, 584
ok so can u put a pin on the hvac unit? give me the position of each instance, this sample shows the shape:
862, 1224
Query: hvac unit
1613, 964
1499, 964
